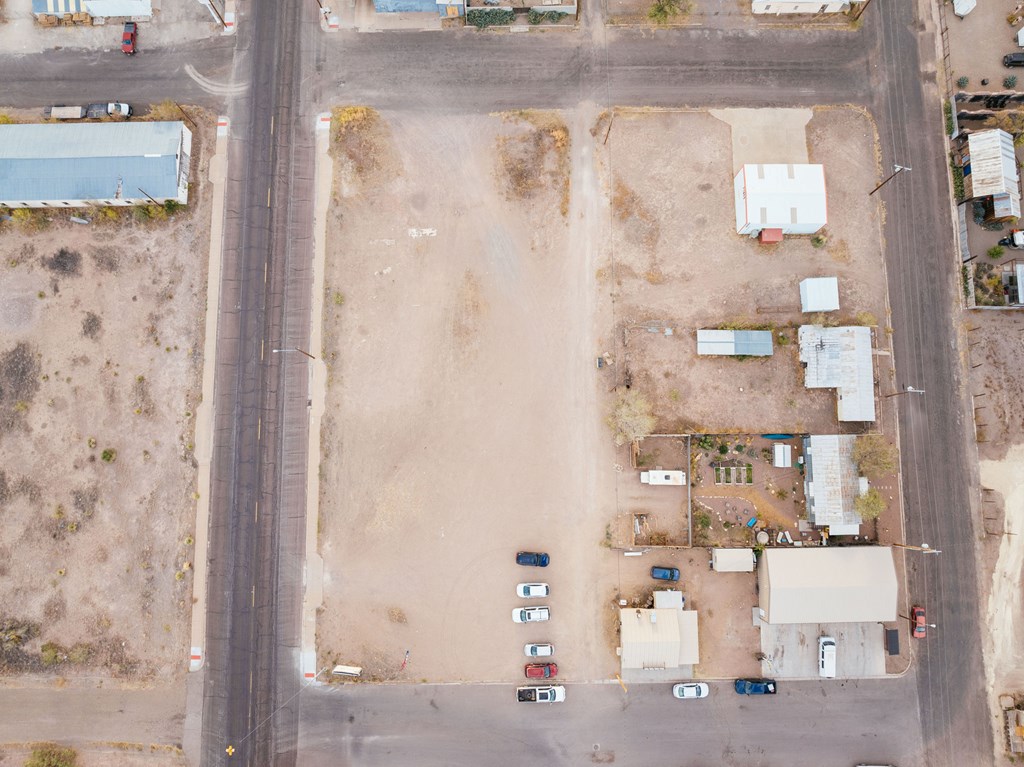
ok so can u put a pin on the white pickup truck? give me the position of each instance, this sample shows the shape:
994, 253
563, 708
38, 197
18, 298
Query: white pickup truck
550, 694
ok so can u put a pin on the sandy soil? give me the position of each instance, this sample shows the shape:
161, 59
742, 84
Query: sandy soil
100, 360
677, 263
460, 418
996, 345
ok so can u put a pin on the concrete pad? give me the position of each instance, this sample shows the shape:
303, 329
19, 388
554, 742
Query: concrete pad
792, 649
766, 135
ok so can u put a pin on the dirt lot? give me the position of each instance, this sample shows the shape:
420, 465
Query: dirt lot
461, 423
977, 44
100, 360
677, 263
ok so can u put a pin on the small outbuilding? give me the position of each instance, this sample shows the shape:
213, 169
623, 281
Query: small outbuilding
661, 638
788, 198
733, 560
851, 584
735, 343
819, 294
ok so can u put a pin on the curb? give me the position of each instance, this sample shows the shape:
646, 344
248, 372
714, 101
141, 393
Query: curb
204, 411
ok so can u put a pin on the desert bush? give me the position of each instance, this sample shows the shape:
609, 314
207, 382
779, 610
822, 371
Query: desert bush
631, 418
52, 755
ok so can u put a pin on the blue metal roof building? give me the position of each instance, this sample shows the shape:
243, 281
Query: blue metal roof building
88, 164
740, 343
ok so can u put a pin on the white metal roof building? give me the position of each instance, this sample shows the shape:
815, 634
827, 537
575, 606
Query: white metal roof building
662, 638
799, 6
819, 294
990, 170
831, 483
840, 359
134, 9
747, 343
732, 560
88, 164
851, 584
790, 198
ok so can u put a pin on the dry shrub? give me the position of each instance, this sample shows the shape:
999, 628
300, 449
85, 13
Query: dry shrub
359, 135
639, 225
538, 159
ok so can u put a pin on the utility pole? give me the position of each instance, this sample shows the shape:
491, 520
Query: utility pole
897, 170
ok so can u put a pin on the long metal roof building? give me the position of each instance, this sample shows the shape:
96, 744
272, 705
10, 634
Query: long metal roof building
748, 343
82, 164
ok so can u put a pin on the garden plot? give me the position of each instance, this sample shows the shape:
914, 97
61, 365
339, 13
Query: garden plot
676, 265
101, 331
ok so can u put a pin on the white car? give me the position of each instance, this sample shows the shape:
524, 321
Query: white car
538, 650
532, 590
530, 614
691, 690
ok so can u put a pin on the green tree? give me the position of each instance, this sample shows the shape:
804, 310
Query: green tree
874, 455
869, 505
664, 10
632, 418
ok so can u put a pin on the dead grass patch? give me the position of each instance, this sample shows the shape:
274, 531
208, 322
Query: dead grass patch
361, 138
537, 159
639, 224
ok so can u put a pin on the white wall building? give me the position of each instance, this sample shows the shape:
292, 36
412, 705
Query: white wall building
789, 199
75, 165
799, 6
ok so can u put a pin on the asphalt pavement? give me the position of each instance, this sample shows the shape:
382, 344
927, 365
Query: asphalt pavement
278, 68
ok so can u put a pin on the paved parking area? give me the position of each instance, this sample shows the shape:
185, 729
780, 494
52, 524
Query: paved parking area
792, 650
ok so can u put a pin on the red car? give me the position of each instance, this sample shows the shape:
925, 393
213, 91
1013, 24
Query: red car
541, 670
128, 38
917, 621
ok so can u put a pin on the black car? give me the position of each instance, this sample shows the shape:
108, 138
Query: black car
532, 559
1013, 60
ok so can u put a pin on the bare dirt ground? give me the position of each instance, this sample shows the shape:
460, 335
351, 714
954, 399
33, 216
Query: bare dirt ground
100, 361
677, 263
996, 343
460, 422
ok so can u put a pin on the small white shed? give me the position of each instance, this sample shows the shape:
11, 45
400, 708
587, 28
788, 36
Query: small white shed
782, 456
732, 560
819, 294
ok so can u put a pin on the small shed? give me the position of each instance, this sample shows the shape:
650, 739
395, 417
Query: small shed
819, 294
733, 560
782, 456
734, 343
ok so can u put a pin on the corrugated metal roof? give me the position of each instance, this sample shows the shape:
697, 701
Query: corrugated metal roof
852, 584
831, 482
669, 640
732, 560
751, 343
88, 161
119, 8
56, 7
993, 164
840, 358
819, 294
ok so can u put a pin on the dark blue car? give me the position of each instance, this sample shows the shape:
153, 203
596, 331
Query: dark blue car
665, 573
532, 559
755, 686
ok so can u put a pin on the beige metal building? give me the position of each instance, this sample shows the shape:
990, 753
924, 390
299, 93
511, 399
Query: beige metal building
852, 584
662, 638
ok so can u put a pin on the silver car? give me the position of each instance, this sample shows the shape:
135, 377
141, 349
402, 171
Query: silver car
533, 650
532, 590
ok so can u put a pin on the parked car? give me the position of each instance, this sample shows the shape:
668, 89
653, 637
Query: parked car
552, 694
1013, 60
755, 686
917, 621
532, 559
665, 573
534, 650
541, 670
689, 690
532, 590
530, 614
128, 38
827, 657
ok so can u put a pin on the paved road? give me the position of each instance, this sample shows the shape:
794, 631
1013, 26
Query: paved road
251, 638
805, 725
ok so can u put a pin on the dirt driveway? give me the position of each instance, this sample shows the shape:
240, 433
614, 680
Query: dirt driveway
101, 331
461, 421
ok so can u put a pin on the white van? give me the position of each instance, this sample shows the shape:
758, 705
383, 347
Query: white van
827, 657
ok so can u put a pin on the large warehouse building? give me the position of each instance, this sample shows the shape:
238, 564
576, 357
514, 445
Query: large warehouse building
92, 164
